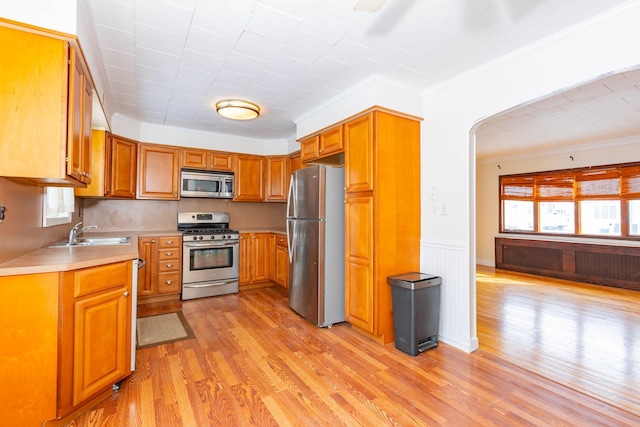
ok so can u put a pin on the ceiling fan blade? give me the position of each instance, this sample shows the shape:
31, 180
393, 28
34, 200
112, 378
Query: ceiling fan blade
369, 5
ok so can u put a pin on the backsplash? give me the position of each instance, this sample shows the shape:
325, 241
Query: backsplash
115, 215
21, 231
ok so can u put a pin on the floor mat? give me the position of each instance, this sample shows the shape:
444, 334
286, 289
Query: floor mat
162, 329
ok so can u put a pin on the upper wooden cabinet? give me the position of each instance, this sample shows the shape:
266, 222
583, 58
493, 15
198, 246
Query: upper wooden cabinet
276, 181
46, 109
158, 172
326, 147
249, 174
194, 158
123, 175
358, 136
295, 162
114, 166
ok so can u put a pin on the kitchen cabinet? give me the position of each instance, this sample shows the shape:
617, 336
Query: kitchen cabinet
114, 166
256, 258
276, 181
382, 214
193, 158
281, 273
46, 102
160, 279
124, 168
70, 341
295, 163
327, 147
95, 334
158, 172
249, 178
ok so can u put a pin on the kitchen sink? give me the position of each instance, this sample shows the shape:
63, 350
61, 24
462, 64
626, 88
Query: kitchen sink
94, 241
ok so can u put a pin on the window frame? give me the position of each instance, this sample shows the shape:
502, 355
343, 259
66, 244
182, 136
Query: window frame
619, 182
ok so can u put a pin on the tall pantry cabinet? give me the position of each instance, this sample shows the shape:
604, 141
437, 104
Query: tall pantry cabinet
382, 214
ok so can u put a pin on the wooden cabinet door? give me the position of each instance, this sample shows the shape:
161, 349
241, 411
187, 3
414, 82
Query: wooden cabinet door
249, 179
262, 256
100, 166
244, 258
85, 149
276, 181
124, 166
147, 275
359, 289
194, 158
74, 118
358, 136
281, 274
102, 342
330, 141
220, 161
309, 148
295, 163
159, 172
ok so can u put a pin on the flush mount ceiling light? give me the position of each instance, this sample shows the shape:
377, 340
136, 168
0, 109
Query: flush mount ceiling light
237, 109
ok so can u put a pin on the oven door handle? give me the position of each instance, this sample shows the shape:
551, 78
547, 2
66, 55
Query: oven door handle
209, 285
208, 245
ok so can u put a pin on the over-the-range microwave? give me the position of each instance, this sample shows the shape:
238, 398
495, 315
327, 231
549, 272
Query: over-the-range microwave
199, 183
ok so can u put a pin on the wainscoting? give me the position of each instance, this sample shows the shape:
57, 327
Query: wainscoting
617, 266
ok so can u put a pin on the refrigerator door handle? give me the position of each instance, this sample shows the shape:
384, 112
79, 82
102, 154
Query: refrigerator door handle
290, 224
292, 210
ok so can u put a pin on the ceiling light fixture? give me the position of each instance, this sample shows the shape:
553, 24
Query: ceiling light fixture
237, 109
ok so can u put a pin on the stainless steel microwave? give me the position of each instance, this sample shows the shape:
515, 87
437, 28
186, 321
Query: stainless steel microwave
198, 183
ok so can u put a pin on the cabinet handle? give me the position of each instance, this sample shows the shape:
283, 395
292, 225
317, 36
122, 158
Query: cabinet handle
126, 294
169, 265
169, 253
169, 242
168, 282
253, 237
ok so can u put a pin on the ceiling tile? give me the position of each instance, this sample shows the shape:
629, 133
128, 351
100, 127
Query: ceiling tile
272, 24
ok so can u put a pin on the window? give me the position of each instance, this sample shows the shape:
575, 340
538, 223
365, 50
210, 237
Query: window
597, 201
58, 206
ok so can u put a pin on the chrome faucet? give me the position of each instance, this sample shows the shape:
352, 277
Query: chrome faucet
75, 232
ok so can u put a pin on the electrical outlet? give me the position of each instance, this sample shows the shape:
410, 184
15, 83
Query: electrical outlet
434, 193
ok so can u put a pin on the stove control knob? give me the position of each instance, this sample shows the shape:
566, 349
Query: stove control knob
228, 236
224, 237
195, 238
200, 237
213, 237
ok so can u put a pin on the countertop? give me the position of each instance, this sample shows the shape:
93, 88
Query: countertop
48, 260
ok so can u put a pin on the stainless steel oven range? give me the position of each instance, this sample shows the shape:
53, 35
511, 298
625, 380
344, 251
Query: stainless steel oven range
209, 254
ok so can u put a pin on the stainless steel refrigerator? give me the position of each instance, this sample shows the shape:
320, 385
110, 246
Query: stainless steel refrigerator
315, 232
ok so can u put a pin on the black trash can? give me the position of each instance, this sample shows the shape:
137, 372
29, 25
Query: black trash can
416, 311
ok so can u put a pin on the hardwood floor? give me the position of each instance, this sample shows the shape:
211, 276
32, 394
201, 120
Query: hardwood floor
254, 362
584, 336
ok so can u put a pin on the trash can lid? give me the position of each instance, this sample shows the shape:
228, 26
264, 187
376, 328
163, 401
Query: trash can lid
414, 280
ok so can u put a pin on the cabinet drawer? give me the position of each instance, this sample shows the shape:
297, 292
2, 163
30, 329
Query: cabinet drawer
169, 265
100, 278
281, 240
169, 242
169, 283
168, 253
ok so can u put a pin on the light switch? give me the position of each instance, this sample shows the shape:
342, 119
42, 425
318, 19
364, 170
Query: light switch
434, 193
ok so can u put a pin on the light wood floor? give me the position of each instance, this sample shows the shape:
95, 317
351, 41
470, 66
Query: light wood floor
584, 336
254, 362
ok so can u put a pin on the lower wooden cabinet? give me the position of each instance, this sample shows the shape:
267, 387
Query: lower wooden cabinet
95, 335
281, 274
256, 258
161, 277
70, 341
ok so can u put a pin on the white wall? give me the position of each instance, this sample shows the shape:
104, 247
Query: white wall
580, 54
487, 175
